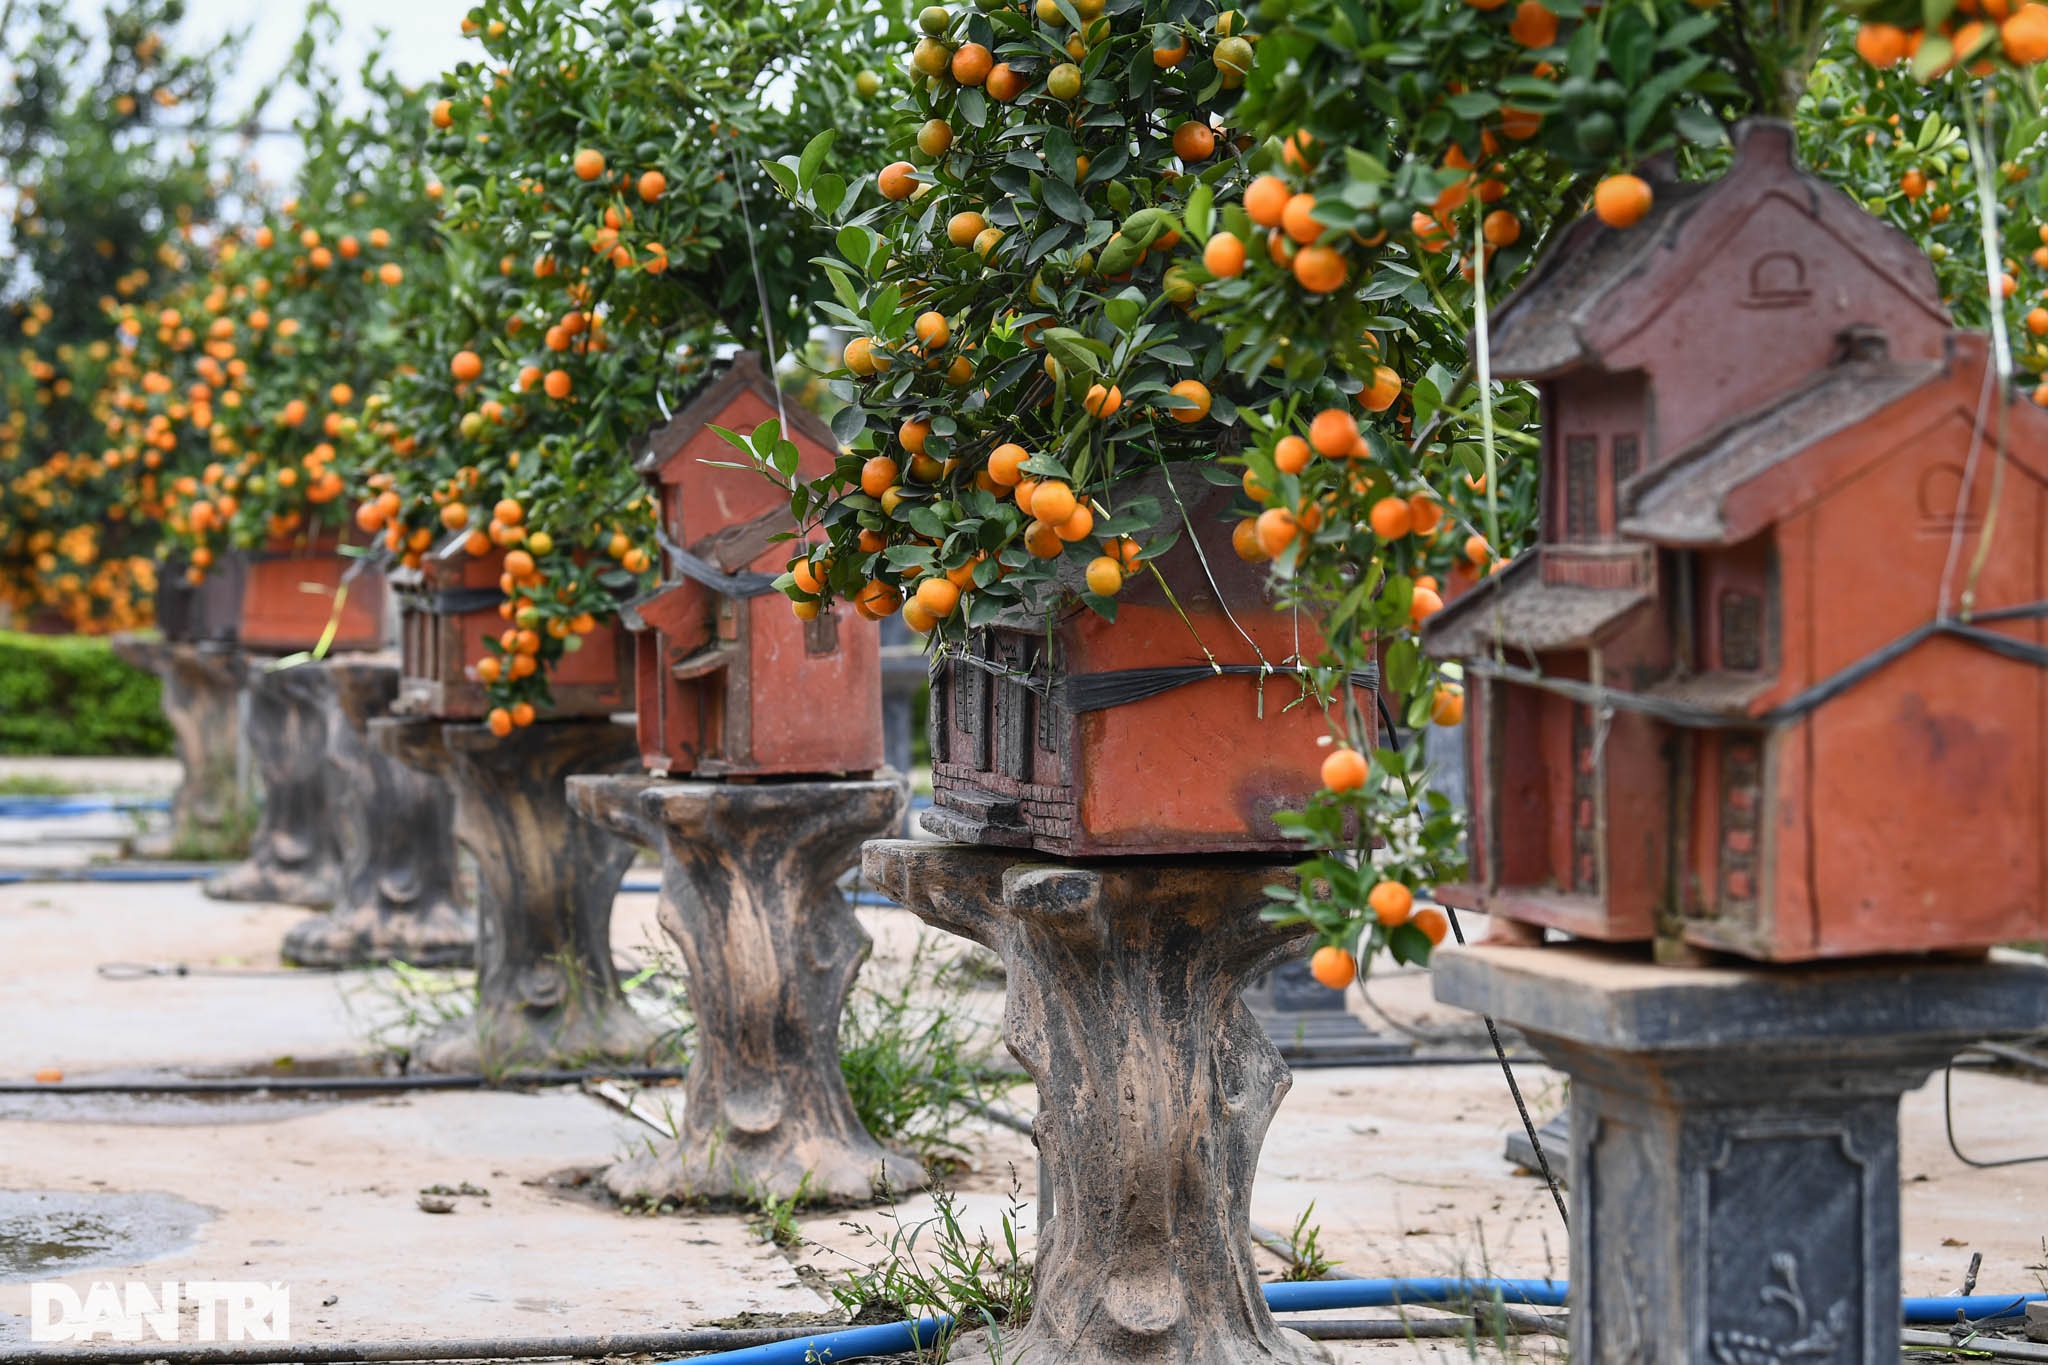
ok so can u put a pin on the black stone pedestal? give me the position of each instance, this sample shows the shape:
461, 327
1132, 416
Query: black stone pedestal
295, 855
398, 899
749, 893
211, 814
1308, 1022
1155, 1088
548, 995
1735, 1138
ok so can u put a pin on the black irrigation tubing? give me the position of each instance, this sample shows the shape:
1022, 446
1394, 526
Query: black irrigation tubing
239, 1085
2002, 1053
514, 1080
466, 1348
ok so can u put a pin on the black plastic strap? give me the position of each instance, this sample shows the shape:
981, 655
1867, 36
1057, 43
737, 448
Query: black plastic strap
1695, 717
742, 584
1082, 692
457, 601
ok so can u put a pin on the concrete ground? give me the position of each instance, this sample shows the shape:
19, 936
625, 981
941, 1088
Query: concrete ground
1401, 1168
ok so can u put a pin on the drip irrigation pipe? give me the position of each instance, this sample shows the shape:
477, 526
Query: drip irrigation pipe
231, 1085
338, 1352
239, 1085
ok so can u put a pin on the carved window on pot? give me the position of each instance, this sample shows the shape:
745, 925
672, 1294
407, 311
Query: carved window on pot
1628, 458
1581, 487
1013, 711
1585, 877
1741, 825
970, 714
939, 718
1742, 631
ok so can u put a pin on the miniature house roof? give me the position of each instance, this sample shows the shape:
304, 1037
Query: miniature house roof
1732, 484
1597, 286
724, 383
1682, 502
1517, 609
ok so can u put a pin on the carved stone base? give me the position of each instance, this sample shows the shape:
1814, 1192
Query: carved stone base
398, 898
1155, 1088
211, 816
295, 856
547, 993
1735, 1138
748, 892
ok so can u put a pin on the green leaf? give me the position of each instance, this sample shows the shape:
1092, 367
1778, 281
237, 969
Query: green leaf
1473, 104
855, 244
1197, 214
814, 157
848, 423
1060, 197
1404, 666
1698, 126
828, 193
973, 106
782, 175
1650, 99
1409, 945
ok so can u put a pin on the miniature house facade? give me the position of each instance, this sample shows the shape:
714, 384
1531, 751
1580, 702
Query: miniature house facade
1159, 733
451, 605
1710, 706
729, 681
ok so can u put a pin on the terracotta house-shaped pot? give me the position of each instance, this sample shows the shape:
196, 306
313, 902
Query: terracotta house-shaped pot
730, 682
1753, 690
1175, 729
449, 607
290, 590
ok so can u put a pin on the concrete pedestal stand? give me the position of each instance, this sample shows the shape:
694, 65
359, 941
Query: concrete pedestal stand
547, 993
748, 892
398, 897
1735, 1137
1308, 1021
295, 855
1155, 1087
211, 814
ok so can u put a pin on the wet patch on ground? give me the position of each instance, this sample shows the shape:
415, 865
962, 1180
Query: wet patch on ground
45, 1234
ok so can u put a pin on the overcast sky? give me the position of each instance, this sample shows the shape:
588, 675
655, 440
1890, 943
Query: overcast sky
426, 39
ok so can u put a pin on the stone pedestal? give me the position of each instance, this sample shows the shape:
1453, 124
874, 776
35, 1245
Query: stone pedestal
547, 993
1308, 1021
1155, 1087
295, 855
748, 892
211, 814
398, 899
1735, 1137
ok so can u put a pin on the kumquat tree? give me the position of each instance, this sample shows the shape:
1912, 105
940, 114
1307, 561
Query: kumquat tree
253, 376
1259, 246
610, 225
106, 188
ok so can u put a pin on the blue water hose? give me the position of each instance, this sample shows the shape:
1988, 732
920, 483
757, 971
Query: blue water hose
57, 807
1306, 1297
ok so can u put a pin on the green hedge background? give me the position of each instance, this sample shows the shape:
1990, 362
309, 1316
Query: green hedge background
68, 694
